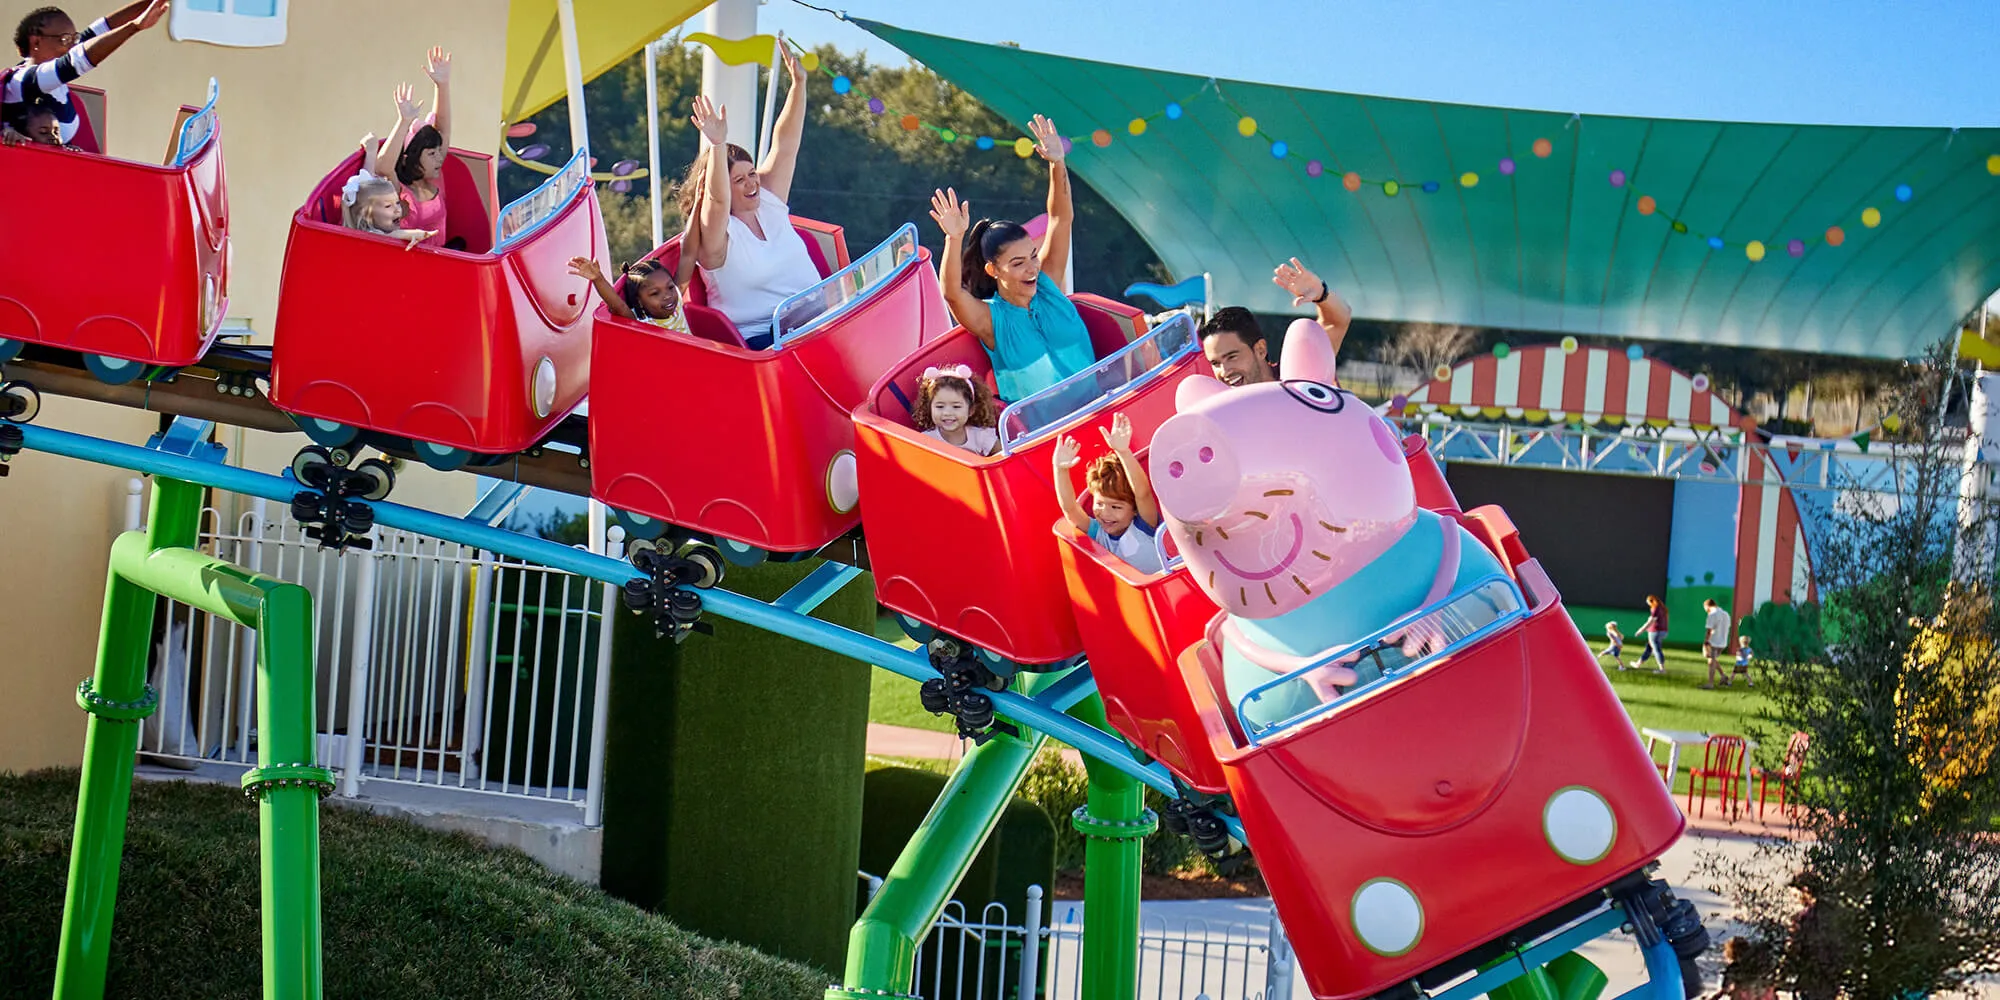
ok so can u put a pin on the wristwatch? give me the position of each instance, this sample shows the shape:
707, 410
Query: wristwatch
1322, 292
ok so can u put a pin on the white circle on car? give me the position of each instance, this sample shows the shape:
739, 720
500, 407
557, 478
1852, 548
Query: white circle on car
843, 482
1579, 825
1387, 916
544, 387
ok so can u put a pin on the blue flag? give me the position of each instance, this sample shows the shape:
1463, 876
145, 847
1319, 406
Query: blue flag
1171, 296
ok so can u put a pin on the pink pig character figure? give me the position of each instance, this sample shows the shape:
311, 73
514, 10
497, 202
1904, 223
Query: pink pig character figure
1292, 505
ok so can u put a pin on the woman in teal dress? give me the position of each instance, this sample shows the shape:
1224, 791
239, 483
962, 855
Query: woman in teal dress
1008, 292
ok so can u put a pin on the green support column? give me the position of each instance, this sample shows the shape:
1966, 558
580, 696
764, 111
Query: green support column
117, 697
882, 947
1114, 822
286, 782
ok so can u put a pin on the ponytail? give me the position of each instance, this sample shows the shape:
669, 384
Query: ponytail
983, 241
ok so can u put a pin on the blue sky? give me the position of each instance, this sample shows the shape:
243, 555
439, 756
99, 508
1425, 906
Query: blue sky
1848, 62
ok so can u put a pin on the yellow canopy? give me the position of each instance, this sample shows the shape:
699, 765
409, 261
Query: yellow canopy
607, 33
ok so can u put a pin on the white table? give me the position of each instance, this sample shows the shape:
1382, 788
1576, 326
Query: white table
1676, 738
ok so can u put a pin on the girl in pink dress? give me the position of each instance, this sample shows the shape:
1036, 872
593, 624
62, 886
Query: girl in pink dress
415, 153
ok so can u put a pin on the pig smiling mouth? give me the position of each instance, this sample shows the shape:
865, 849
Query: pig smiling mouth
1298, 545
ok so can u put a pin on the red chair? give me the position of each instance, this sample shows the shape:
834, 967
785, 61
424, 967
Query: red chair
1786, 774
1721, 762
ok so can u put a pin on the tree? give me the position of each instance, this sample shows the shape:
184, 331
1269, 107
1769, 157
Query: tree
859, 169
1427, 347
1895, 680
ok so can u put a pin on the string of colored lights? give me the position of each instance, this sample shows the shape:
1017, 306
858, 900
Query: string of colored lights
1247, 126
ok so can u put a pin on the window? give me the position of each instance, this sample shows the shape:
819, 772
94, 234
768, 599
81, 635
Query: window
243, 23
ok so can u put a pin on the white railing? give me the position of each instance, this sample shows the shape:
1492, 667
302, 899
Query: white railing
437, 665
994, 958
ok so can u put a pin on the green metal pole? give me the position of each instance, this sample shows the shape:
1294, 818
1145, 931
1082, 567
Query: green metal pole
1114, 822
882, 947
288, 786
286, 782
117, 698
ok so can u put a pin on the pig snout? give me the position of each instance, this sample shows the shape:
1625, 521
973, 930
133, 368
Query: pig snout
1194, 470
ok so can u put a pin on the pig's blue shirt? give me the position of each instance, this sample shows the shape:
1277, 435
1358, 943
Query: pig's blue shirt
1392, 586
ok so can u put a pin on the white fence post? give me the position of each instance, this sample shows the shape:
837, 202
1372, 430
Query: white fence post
1278, 962
363, 638
135, 504
593, 793
478, 663
1031, 943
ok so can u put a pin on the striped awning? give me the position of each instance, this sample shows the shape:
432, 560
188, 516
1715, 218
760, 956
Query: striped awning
1591, 385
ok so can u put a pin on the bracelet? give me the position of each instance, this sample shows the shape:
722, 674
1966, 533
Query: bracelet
1323, 291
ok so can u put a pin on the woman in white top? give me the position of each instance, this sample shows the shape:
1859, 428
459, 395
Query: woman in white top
741, 228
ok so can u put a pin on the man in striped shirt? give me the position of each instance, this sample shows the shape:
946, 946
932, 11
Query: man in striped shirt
54, 54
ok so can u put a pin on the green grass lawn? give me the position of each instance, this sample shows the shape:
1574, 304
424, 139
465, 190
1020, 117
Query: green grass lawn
407, 912
1672, 701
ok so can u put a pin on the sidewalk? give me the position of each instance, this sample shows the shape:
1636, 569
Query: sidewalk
903, 741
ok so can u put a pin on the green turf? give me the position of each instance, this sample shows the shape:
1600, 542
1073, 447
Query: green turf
1676, 701
407, 912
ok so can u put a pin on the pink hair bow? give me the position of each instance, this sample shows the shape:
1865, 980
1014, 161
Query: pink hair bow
955, 371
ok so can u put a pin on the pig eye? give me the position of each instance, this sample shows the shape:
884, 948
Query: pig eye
1323, 398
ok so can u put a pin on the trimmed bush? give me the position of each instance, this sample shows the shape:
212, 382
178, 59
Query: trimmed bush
407, 912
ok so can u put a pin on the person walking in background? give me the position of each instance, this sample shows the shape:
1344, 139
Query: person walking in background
1614, 645
1655, 631
1715, 642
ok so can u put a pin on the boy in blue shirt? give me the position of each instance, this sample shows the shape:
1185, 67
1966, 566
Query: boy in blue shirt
1128, 516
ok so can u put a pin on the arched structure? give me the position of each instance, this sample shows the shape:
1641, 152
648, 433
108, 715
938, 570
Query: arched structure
1592, 385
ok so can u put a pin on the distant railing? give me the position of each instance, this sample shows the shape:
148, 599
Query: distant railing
437, 665
994, 957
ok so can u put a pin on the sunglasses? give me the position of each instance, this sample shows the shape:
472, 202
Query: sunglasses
66, 38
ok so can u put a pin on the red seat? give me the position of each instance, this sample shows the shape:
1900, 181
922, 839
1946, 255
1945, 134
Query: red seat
1785, 774
1722, 763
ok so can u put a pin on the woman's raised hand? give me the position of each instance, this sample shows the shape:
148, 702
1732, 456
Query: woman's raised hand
1295, 278
711, 120
407, 106
437, 64
952, 216
1068, 453
793, 68
585, 268
1047, 142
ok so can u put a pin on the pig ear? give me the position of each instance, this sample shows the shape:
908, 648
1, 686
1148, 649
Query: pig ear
1308, 354
1193, 390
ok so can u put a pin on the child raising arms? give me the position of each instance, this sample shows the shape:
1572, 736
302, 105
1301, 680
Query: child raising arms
1128, 516
370, 204
957, 409
649, 295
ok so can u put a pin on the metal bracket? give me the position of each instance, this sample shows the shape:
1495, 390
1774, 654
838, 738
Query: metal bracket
188, 438
813, 591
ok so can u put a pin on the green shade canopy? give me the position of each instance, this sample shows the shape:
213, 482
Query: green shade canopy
1553, 245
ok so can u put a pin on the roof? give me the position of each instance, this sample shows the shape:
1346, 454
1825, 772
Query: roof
608, 32
1500, 217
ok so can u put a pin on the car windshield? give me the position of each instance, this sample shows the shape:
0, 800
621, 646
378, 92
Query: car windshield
1417, 639
528, 213
1087, 390
197, 130
836, 293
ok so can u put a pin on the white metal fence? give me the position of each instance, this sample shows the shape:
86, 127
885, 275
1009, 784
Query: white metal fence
995, 958
437, 664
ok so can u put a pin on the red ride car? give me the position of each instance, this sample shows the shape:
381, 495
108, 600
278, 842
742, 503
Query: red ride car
458, 353
162, 231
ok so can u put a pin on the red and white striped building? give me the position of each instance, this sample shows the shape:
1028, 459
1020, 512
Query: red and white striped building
1592, 385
